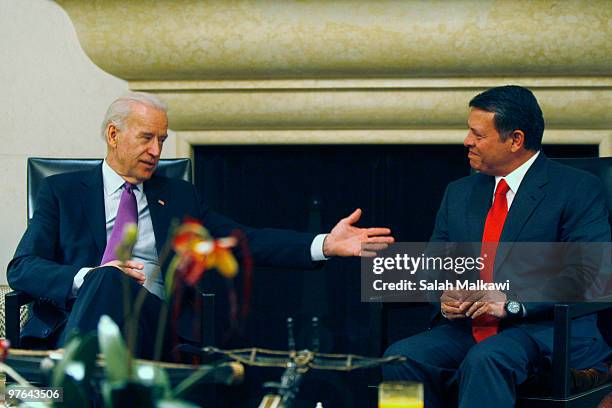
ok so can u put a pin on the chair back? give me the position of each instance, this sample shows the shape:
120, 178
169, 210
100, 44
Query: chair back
602, 168
39, 168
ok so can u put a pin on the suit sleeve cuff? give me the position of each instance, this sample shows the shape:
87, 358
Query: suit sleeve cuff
77, 282
316, 248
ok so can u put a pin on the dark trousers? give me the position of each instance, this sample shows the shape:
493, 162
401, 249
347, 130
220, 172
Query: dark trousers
102, 293
450, 364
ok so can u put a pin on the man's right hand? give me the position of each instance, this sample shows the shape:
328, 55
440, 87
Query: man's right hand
450, 305
130, 268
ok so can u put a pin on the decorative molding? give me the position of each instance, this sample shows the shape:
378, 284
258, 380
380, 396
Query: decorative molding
187, 139
197, 39
599, 82
382, 108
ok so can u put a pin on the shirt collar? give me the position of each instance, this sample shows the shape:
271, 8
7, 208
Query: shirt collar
113, 181
515, 178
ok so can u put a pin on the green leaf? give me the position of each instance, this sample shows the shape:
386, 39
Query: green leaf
79, 349
70, 349
107, 394
155, 377
113, 349
172, 403
74, 370
194, 378
33, 405
74, 394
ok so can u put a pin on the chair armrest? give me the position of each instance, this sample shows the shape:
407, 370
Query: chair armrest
12, 319
585, 308
564, 314
21, 298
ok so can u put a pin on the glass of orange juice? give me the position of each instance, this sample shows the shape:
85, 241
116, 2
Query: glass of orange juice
400, 394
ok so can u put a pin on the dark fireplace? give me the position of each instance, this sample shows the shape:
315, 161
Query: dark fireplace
309, 188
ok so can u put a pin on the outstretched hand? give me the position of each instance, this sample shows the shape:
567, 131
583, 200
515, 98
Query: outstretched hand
347, 240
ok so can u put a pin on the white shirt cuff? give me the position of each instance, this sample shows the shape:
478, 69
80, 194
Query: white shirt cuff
77, 282
316, 248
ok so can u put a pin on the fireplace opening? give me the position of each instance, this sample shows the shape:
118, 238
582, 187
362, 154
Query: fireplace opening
309, 188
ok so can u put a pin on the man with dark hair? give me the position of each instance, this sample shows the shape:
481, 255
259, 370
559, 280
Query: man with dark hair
488, 342
515, 107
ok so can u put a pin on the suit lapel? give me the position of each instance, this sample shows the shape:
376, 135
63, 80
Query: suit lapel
160, 216
479, 205
92, 199
526, 200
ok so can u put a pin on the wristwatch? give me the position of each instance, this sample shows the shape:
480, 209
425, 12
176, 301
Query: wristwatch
513, 308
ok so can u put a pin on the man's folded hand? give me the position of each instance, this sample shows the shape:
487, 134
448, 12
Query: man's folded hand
483, 302
450, 304
130, 268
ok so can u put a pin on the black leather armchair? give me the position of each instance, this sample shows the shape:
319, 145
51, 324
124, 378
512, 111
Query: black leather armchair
572, 388
38, 169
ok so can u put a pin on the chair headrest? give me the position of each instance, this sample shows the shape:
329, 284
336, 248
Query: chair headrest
40, 168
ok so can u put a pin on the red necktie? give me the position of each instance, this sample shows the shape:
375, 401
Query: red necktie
486, 325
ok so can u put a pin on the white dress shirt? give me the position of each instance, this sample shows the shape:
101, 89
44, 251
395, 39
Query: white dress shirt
145, 249
514, 179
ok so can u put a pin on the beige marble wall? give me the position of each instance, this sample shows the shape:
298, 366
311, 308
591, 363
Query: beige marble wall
53, 100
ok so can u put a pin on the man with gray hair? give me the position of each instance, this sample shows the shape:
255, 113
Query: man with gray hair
66, 258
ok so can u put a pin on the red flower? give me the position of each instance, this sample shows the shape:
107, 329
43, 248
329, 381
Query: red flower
5, 345
196, 252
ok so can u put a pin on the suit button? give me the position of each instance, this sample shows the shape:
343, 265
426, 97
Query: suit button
46, 332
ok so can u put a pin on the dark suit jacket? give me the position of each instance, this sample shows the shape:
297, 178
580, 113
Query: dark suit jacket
67, 233
554, 203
